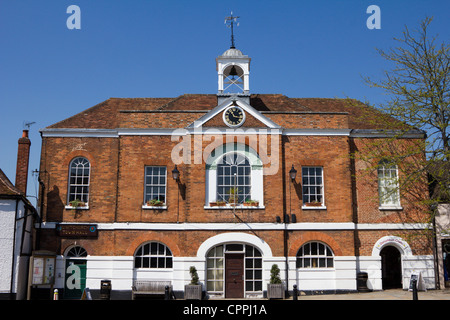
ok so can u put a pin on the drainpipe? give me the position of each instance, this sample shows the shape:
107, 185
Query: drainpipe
41, 208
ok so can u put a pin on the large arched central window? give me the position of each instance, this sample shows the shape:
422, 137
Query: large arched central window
234, 175
234, 179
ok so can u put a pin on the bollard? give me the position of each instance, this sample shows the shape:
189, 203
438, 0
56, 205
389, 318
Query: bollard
55, 294
295, 293
166, 293
414, 289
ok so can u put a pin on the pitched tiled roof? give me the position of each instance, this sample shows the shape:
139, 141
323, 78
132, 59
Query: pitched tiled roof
6, 186
105, 115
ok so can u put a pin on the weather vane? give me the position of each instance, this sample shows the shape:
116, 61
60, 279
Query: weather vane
230, 21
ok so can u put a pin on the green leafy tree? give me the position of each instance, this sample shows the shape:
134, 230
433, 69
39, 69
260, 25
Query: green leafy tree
418, 87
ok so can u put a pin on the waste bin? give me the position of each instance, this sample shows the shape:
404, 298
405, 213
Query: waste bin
361, 281
105, 289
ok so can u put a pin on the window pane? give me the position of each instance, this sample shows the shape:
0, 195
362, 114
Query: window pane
314, 255
153, 255
155, 183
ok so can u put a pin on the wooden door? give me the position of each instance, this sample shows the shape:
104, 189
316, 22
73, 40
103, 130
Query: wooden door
234, 275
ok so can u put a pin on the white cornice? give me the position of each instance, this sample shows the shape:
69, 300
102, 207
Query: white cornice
88, 133
250, 226
196, 128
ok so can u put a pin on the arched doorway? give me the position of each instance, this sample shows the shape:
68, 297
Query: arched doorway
75, 274
234, 270
391, 267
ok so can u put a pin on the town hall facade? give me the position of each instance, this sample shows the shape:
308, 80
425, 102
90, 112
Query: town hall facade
230, 183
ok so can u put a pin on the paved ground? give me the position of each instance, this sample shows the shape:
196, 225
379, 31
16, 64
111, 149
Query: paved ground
394, 294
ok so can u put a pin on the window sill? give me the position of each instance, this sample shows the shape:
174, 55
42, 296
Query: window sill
76, 208
384, 208
145, 207
234, 207
314, 208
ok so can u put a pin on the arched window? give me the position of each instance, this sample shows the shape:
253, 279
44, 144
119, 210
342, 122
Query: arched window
388, 188
233, 179
79, 178
153, 255
76, 252
315, 255
221, 166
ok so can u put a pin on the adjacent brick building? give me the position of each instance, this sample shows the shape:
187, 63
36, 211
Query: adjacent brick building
113, 209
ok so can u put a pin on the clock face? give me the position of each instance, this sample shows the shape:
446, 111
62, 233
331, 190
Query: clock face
234, 116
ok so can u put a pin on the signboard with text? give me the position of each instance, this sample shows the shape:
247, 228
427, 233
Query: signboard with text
77, 230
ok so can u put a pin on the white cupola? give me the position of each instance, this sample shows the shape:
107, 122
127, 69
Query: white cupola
233, 67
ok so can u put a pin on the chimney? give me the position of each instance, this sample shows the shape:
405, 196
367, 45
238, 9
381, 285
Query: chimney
23, 157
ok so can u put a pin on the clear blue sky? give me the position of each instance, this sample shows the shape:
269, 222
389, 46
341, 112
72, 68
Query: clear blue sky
165, 48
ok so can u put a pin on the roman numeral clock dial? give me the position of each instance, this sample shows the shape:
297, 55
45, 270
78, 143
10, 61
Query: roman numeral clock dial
234, 116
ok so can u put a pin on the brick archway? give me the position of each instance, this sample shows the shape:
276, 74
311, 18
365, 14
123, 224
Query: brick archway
314, 236
150, 236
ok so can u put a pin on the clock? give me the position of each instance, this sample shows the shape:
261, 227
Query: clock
234, 116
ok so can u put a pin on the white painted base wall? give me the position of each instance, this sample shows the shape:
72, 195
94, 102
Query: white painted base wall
340, 278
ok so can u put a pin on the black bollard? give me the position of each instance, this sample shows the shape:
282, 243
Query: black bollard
295, 293
166, 293
414, 289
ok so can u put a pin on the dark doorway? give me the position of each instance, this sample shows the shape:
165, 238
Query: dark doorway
75, 279
391, 268
234, 275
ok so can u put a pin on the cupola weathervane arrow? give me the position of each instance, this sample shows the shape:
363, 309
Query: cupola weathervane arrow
230, 21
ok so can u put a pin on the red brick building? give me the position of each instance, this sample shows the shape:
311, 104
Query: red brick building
113, 209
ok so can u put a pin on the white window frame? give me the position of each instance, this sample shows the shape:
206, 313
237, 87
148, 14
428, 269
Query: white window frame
226, 179
157, 185
314, 256
256, 175
84, 195
314, 185
388, 186
166, 254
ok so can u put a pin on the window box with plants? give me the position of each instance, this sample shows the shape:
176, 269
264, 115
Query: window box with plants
193, 290
275, 288
313, 205
77, 204
251, 203
218, 204
154, 204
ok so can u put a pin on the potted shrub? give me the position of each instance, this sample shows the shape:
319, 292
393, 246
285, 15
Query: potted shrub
233, 197
193, 290
275, 287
